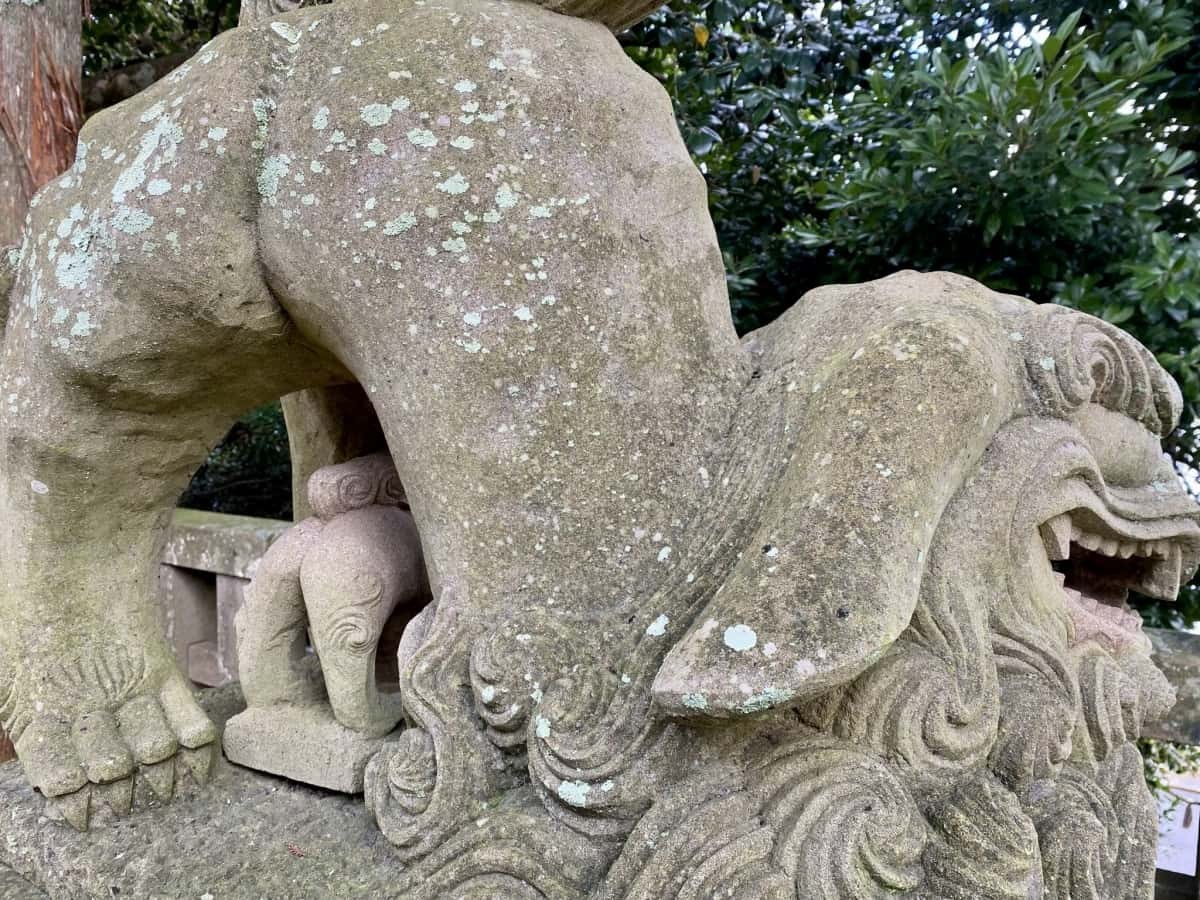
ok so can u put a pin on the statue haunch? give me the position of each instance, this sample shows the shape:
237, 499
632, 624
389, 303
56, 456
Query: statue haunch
833, 611
342, 577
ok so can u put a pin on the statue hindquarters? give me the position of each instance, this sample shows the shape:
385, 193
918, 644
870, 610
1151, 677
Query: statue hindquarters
314, 202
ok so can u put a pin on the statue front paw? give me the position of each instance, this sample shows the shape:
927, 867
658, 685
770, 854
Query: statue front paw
112, 737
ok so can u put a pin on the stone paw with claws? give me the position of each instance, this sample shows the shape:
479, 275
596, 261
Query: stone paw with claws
106, 738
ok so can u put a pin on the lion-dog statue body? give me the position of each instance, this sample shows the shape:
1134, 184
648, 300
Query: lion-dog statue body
836, 610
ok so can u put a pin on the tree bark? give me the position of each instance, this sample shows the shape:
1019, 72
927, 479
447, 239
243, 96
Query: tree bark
40, 109
40, 114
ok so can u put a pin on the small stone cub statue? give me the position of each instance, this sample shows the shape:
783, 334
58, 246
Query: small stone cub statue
347, 578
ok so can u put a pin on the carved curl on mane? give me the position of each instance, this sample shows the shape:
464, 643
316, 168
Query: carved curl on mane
1073, 359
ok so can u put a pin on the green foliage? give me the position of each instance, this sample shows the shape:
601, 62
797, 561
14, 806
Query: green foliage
1162, 759
121, 32
250, 472
1044, 150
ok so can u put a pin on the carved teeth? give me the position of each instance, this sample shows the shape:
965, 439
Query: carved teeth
1162, 581
1086, 539
1056, 535
1127, 549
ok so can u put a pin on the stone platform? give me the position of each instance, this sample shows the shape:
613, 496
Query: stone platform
247, 835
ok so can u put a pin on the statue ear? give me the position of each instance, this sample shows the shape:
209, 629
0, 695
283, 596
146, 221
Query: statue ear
888, 420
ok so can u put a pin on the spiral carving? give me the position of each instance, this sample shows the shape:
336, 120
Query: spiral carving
1073, 358
1039, 706
402, 775
932, 701
365, 481
845, 826
986, 847
511, 668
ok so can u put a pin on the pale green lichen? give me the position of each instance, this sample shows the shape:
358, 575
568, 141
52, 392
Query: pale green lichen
376, 114
574, 793
740, 638
217, 133
152, 113
320, 119
465, 86
462, 142
422, 137
273, 169
400, 224
157, 187
454, 245
768, 699
377, 147
506, 198
83, 325
132, 221
455, 184
286, 31
166, 135
694, 701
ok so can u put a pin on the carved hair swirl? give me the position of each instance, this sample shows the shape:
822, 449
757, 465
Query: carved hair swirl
1073, 358
366, 481
845, 826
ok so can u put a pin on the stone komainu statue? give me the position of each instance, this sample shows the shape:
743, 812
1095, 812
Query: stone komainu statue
833, 611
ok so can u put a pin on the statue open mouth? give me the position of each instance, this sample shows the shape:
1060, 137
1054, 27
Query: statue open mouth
1097, 564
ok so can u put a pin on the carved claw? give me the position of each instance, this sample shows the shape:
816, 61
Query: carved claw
200, 762
75, 808
117, 795
160, 778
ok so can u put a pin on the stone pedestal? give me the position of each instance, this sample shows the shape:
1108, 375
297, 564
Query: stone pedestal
303, 743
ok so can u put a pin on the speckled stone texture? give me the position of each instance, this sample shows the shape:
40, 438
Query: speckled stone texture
247, 836
14, 887
836, 610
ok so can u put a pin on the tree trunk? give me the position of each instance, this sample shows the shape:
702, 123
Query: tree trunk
40, 113
40, 109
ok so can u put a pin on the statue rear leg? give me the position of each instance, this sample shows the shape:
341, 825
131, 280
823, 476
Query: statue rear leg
140, 327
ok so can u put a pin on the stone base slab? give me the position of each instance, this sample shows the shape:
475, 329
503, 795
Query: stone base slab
246, 835
303, 743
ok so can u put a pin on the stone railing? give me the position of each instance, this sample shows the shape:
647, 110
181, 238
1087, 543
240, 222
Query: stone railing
208, 560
